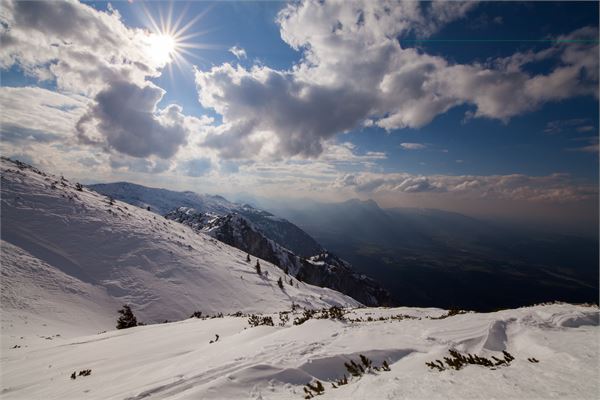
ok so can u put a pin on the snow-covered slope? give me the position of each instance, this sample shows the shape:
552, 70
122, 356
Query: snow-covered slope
69, 256
177, 360
324, 270
163, 201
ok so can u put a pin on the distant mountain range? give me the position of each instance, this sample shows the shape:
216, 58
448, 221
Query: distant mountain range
256, 232
428, 257
423, 257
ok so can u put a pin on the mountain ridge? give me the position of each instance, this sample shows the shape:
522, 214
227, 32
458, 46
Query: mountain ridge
322, 269
112, 253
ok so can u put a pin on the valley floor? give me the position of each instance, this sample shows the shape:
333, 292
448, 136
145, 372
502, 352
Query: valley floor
177, 361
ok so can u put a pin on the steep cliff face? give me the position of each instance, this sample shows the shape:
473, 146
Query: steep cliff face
323, 269
327, 270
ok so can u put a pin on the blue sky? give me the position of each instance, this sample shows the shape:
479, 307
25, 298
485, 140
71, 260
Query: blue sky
452, 105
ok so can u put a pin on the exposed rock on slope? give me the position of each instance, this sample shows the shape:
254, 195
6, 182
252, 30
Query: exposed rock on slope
323, 269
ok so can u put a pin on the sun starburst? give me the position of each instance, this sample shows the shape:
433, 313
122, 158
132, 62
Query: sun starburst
170, 40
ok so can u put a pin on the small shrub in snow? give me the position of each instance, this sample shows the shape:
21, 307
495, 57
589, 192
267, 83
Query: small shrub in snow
317, 388
216, 339
83, 372
127, 319
366, 362
340, 382
457, 361
533, 360
451, 313
283, 318
354, 369
280, 283
364, 366
257, 266
308, 314
248, 257
335, 312
256, 320
78, 187
196, 314
385, 366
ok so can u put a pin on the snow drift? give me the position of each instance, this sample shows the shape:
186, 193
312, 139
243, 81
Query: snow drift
178, 360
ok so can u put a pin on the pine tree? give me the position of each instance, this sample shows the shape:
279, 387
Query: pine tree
127, 319
258, 271
280, 283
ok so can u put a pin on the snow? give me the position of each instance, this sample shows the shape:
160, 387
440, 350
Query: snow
70, 259
69, 256
176, 360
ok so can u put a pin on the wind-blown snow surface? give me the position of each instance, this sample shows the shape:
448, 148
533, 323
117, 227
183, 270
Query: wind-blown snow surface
176, 360
71, 258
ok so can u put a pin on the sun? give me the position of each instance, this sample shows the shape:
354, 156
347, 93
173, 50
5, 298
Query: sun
168, 39
162, 47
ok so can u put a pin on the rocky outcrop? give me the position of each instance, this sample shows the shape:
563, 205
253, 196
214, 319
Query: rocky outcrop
323, 269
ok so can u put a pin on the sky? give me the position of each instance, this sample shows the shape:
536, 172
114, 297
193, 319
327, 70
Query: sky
487, 108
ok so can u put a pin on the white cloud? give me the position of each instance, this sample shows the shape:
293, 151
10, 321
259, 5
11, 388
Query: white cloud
78, 46
591, 145
354, 72
98, 64
412, 146
196, 167
555, 188
32, 113
577, 124
238, 52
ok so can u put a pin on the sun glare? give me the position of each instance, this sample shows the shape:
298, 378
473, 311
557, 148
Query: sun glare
162, 47
169, 40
